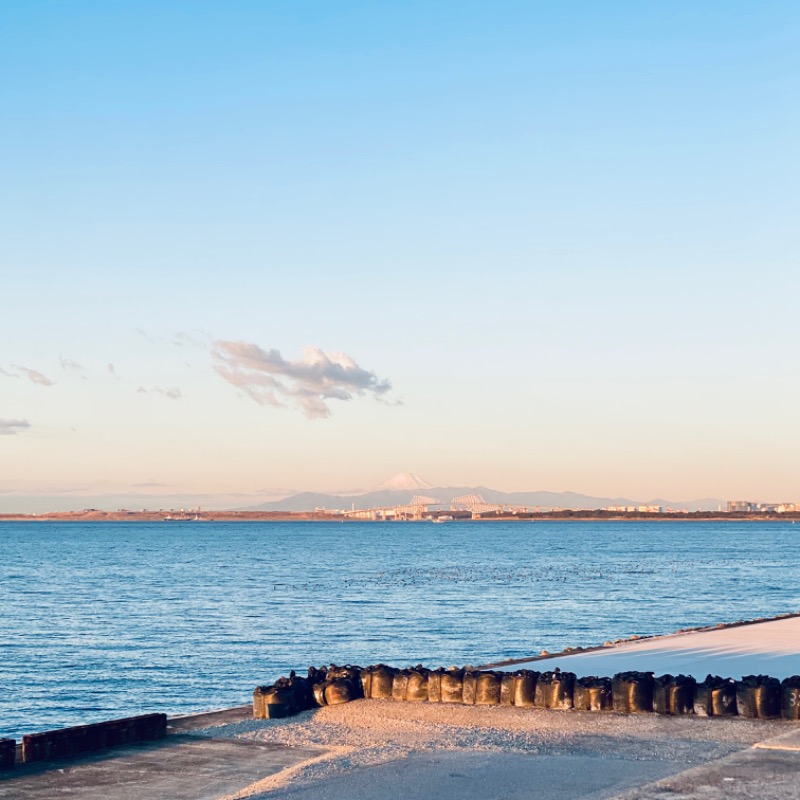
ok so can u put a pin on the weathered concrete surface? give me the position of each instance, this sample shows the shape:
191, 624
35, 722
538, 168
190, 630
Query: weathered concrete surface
428, 751
786, 741
756, 774
180, 767
192, 722
752, 774
462, 775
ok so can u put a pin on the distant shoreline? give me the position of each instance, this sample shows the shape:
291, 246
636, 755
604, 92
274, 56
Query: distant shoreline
94, 515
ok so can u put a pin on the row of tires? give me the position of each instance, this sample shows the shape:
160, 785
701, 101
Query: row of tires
754, 696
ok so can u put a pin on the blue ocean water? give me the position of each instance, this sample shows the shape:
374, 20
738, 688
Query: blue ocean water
101, 620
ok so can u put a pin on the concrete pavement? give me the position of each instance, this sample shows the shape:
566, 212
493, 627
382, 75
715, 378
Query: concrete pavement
180, 767
606, 756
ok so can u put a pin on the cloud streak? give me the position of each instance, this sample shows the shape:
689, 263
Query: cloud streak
308, 384
11, 427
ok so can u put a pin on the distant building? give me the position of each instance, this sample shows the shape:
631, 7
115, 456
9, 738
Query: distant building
762, 508
634, 509
778, 508
740, 506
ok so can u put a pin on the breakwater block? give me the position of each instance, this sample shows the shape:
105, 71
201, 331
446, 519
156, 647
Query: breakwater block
290, 695
507, 683
554, 690
7, 750
754, 696
327, 686
382, 682
487, 689
592, 694
632, 692
435, 685
452, 686
399, 685
342, 684
790, 697
525, 682
674, 694
715, 697
470, 692
758, 697
50, 745
417, 691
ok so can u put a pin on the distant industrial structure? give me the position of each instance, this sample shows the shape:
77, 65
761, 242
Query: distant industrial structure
421, 507
474, 506
636, 509
747, 507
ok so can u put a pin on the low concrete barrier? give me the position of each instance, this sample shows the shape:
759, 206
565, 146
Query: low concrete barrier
8, 748
50, 745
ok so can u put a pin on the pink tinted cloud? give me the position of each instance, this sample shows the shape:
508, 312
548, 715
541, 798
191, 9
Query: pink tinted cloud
308, 384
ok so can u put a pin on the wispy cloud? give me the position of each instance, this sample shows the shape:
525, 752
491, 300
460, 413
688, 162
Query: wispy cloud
113, 370
145, 335
67, 364
7, 373
11, 427
195, 338
33, 375
171, 392
309, 383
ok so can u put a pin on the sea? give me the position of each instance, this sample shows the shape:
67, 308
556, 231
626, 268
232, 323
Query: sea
105, 620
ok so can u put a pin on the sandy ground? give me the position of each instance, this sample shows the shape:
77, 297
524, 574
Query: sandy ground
383, 749
764, 648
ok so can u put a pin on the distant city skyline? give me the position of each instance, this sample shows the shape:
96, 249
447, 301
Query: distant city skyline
250, 249
402, 484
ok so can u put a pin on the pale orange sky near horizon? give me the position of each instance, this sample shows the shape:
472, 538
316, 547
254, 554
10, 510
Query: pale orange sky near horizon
525, 246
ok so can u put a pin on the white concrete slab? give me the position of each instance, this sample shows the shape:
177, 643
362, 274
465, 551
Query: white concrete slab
762, 648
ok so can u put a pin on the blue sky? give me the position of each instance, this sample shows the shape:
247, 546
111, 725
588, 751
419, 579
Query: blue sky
566, 234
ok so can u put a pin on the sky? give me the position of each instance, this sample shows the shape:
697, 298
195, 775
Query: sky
248, 248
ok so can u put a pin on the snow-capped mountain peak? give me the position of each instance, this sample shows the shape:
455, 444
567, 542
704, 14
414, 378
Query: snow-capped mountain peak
405, 481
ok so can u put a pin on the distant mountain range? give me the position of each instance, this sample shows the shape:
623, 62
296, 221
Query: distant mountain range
400, 489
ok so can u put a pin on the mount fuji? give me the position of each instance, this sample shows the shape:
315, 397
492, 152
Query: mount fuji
401, 488
404, 482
